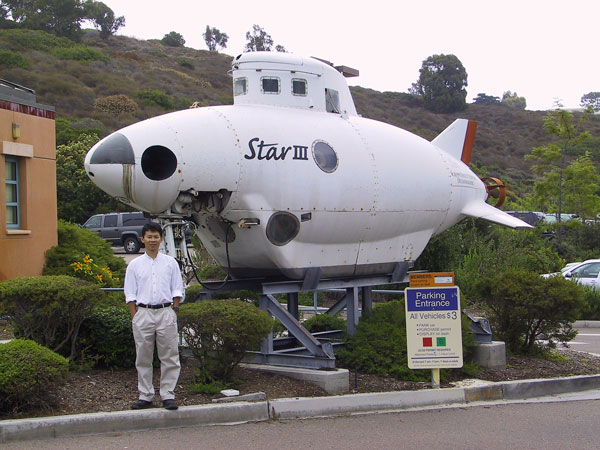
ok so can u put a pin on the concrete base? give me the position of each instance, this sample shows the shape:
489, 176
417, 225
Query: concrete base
492, 355
332, 381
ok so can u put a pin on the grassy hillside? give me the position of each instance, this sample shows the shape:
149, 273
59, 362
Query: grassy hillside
78, 78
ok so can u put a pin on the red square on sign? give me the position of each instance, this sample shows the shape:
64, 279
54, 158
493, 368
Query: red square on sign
427, 342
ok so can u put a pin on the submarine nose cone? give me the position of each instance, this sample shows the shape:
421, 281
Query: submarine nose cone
109, 162
115, 149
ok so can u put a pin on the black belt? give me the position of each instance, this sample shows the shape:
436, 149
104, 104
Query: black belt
162, 305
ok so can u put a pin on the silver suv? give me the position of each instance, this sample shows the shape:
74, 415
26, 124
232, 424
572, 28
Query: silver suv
123, 228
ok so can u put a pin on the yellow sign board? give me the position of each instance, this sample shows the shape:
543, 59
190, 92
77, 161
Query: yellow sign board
431, 279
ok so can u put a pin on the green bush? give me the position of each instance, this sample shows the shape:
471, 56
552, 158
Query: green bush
379, 345
220, 332
185, 62
10, 59
28, 372
211, 272
192, 291
526, 307
49, 309
325, 322
591, 300
79, 53
20, 40
155, 97
74, 243
106, 337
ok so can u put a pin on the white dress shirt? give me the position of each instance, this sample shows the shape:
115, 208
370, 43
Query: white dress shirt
153, 281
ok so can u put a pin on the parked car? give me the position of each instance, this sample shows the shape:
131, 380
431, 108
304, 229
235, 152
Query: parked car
585, 273
123, 228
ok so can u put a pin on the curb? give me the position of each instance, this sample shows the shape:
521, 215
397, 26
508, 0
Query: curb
286, 408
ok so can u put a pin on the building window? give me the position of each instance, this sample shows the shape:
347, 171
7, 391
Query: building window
240, 86
299, 87
13, 212
270, 85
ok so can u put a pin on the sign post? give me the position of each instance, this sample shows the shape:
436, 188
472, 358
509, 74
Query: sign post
433, 329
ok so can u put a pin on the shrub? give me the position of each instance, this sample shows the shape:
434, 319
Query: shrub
79, 53
10, 59
155, 97
325, 322
591, 300
220, 332
74, 243
116, 104
526, 307
173, 39
192, 291
49, 309
211, 272
28, 372
33, 40
185, 62
379, 345
106, 337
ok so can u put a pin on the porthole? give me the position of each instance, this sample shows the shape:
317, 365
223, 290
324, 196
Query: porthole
270, 85
324, 156
299, 87
282, 228
158, 162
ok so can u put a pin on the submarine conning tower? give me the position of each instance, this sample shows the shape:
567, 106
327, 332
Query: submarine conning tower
290, 81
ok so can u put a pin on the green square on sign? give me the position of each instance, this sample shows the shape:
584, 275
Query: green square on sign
441, 341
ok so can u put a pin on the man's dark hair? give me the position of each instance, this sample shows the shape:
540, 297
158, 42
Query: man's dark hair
152, 226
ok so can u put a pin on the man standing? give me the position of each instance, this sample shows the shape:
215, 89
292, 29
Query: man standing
153, 290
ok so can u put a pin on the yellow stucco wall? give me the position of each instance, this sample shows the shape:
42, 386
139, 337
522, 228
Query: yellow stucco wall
22, 251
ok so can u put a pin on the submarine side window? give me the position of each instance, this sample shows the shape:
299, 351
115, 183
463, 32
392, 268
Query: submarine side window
240, 86
270, 85
282, 228
332, 101
158, 162
325, 156
299, 87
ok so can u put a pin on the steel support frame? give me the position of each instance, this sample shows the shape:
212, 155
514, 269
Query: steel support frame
321, 355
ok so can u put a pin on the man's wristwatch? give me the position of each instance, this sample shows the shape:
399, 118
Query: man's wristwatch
176, 308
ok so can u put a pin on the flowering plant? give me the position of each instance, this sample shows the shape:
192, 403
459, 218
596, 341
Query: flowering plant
86, 269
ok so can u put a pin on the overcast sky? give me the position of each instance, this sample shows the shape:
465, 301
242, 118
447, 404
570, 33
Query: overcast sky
543, 49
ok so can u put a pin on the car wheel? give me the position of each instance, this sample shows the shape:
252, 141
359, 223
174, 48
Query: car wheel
131, 245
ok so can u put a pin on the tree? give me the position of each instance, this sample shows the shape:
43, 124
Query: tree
484, 99
554, 158
78, 197
582, 185
214, 38
103, 17
260, 41
442, 82
173, 39
512, 100
61, 17
591, 99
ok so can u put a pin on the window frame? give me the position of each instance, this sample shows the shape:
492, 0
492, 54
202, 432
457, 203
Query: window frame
12, 159
235, 94
262, 90
305, 87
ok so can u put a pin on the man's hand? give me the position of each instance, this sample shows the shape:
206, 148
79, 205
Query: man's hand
132, 309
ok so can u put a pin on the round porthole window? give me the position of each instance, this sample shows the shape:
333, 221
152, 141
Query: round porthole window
324, 156
282, 228
158, 162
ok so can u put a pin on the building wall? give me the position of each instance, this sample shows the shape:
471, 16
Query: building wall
22, 250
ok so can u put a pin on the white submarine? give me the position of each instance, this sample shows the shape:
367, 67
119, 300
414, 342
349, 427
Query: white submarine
290, 178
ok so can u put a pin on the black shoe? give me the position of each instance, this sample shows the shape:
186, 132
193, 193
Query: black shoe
141, 404
170, 404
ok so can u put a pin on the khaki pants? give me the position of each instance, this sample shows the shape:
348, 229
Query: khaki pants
160, 325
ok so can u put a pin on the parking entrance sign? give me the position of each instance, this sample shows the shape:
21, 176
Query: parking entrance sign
433, 327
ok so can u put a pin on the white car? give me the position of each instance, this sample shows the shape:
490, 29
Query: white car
585, 273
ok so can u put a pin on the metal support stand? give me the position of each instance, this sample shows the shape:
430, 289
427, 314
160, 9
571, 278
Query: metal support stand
306, 350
